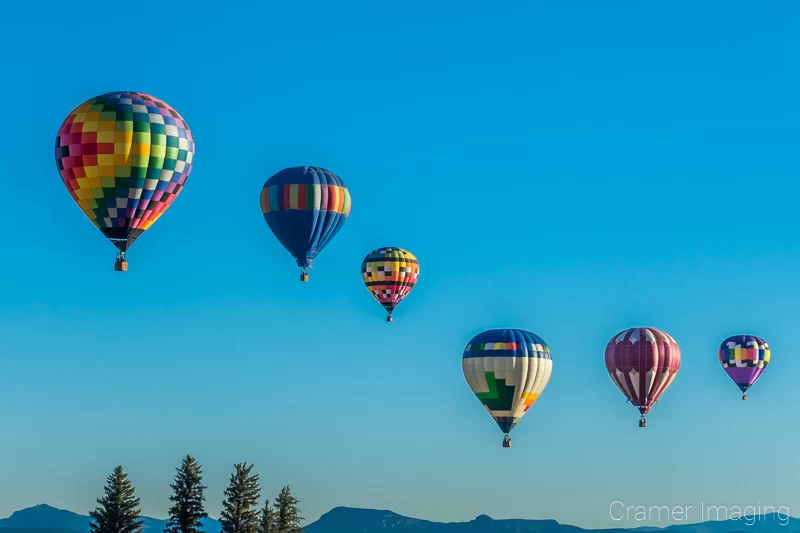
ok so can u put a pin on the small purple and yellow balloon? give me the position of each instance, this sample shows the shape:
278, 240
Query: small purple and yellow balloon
744, 358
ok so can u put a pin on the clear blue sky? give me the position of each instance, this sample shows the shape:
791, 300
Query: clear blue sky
573, 170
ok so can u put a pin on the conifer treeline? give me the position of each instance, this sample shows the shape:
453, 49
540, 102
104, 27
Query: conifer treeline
118, 510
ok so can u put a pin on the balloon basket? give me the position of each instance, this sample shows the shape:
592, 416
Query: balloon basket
121, 266
506, 443
744, 396
304, 277
642, 423
389, 319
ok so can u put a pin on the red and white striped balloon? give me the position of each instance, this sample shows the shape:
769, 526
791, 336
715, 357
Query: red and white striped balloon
643, 363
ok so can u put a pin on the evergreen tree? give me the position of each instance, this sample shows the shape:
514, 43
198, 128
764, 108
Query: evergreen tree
119, 510
268, 518
288, 514
239, 510
187, 498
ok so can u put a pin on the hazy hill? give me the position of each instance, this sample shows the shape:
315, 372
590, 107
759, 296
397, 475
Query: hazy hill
47, 519
44, 517
769, 523
36, 530
349, 520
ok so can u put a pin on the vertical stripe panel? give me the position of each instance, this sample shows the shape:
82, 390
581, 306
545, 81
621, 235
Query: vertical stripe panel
324, 196
347, 202
285, 197
334, 198
311, 193
316, 191
265, 200
339, 200
273, 198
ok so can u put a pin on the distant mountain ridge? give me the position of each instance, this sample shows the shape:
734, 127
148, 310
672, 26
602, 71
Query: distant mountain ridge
350, 520
46, 519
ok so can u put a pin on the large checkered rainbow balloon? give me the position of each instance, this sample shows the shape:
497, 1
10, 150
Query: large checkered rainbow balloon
124, 157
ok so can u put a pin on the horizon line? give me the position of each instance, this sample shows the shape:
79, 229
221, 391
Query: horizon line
637, 528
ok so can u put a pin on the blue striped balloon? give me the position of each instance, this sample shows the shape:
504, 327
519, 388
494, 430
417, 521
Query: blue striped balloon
305, 207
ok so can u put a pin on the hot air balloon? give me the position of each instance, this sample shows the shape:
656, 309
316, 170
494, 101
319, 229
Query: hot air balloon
124, 157
642, 362
305, 207
390, 274
744, 358
507, 369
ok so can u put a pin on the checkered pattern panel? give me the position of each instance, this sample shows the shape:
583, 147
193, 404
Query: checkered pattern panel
744, 351
124, 157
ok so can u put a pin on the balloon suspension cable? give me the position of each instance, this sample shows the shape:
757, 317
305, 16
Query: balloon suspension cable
304, 274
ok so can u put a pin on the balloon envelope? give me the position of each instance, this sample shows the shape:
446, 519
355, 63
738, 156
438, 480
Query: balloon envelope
744, 358
507, 369
124, 157
642, 363
305, 207
390, 274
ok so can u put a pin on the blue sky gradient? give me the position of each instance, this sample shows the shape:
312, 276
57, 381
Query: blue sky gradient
572, 169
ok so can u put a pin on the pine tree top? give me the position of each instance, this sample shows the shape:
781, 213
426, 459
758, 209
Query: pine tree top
188, 497
269, 518
288, 514
118, 510
239, 509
